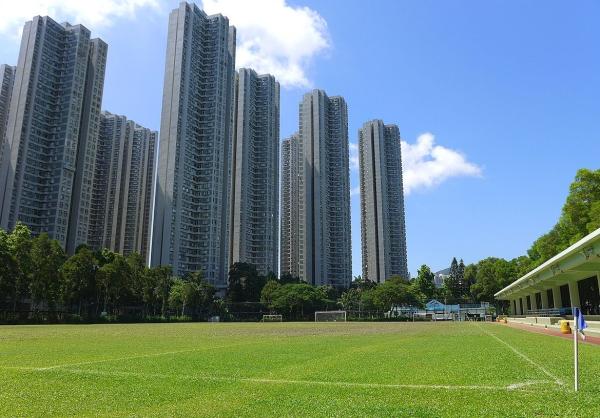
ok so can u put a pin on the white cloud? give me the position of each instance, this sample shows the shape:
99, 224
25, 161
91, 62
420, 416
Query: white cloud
426, 164
354, 162
274, 37
355, 191
93, 14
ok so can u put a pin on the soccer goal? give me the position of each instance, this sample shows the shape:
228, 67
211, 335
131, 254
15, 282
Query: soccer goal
330, 316
272, 318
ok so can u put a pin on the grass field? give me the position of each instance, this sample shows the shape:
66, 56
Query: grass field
293, 369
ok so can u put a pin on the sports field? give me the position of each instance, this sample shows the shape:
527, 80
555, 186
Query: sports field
293, 369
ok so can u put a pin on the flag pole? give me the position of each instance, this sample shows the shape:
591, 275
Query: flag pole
576, 349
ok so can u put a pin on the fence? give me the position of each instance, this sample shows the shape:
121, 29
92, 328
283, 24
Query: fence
548, 312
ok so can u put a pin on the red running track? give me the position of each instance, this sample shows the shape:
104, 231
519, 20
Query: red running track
553, 332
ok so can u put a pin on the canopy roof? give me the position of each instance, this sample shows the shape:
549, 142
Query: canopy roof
580, 261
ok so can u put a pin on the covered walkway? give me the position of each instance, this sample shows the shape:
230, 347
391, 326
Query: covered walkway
571, 278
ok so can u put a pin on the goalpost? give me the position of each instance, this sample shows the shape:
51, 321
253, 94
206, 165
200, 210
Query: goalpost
330, 316
272, 318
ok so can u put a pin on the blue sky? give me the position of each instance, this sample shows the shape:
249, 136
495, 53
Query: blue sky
508, 89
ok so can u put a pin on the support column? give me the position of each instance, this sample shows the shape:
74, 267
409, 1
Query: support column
519, 305
557, 297
574, 293
533, 302
544, 299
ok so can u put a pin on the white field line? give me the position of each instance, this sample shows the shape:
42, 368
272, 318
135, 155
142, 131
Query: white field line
524, 357
511, 387
108, 360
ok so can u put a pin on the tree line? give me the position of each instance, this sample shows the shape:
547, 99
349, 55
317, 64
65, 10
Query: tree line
37, 276
40, 282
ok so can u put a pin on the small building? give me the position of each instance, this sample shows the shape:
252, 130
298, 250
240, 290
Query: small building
438, 311
437, 306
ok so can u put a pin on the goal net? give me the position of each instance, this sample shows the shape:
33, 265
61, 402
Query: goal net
330, 316
272, 318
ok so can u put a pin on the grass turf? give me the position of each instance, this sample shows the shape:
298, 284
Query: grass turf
293, 369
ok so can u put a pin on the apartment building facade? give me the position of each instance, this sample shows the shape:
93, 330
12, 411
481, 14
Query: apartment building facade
47, 171
383, 232
191, 219
255, 172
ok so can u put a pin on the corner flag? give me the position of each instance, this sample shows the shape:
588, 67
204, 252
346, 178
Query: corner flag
581, 324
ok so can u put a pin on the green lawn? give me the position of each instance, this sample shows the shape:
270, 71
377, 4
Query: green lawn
293, 369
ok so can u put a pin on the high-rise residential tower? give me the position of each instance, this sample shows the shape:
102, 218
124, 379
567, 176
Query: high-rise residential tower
123, 186
191, 216
7, 80
289, 244
255, 172
48, 166
325, 253
383, 233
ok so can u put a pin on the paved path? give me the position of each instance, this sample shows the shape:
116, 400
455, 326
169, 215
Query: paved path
552, 331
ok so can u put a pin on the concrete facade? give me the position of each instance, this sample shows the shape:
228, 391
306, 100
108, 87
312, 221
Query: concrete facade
191, 218
325, 252
7, 80
48, 165
383, 232
123, 186
255, 172
289, 244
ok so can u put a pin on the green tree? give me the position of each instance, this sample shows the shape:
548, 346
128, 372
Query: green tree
269, 289
493, 274
114, 279
522, 266
19, 243
451, 288
351, 299
584, 195
181, 294
205, 297
470, 279
329, 293
245, 284
8, 269
202, 294
425, 282
549, 244
137, 277
395, 291
79, 279
463, 289
47, 256
580, 216
297, 300
160, 277
594, 222
368, 301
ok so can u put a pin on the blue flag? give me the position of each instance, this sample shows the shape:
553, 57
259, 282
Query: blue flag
578, 316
